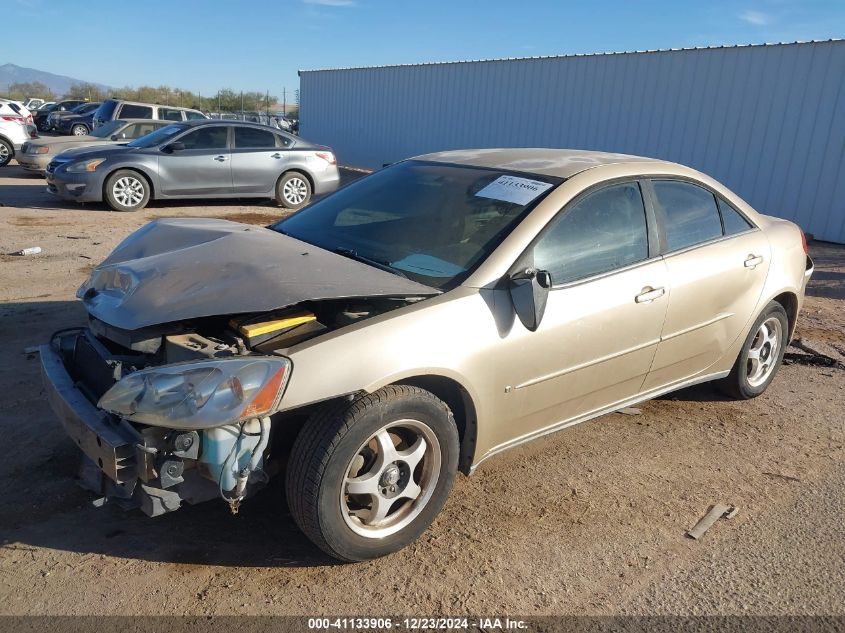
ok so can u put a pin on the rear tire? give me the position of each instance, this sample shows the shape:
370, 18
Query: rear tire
760, 357
127, 190
396, 448
293, 191
7, 152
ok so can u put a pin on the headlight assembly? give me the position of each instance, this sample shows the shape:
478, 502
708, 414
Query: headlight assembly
200, 395
84, 166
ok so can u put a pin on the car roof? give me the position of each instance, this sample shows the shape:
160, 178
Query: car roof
235, 122
561, 163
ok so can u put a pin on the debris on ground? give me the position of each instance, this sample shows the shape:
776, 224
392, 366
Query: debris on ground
715, 513
32, 250
781, 476
630, 411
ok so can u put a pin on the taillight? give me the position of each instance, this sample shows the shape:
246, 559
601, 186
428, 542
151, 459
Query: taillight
328, 157
14, 119
804, 243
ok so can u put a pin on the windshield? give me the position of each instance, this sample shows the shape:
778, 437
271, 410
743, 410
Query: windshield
431, 222
107, 129
159, 136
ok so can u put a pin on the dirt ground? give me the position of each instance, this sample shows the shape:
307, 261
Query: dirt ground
591, 520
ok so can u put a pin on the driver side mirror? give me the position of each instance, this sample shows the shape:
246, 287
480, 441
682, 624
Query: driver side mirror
176, 146
113, 137
529, 291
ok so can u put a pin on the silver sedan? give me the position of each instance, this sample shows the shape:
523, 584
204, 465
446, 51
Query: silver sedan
197, 159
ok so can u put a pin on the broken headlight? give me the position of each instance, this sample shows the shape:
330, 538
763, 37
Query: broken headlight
112, 280
200, 395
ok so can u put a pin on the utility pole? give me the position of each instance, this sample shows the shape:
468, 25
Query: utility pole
284, 100
242, 105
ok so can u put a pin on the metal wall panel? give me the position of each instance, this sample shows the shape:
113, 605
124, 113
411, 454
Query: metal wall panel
768, 121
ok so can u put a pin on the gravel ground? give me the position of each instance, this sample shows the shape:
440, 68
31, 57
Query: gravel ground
587, 521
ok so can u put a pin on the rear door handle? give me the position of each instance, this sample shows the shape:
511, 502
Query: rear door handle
649, 294
276, 155
753, 260
220, 159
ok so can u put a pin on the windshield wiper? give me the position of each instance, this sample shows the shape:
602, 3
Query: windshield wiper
351, 254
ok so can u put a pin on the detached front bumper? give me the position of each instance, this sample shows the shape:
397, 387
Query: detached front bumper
119, 464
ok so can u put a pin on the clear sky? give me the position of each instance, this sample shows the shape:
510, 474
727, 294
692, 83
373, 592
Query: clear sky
203, 45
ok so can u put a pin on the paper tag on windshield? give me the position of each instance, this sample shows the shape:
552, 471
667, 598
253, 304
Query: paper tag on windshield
514, 189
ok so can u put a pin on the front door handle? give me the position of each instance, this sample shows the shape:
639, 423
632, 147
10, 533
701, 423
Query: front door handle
220, 159
649, 294
276, 155
753, 260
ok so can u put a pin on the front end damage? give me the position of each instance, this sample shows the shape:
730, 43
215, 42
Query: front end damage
155, 429
140, 465
174, 390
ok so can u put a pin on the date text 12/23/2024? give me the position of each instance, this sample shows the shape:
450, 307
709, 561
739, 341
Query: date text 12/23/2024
414, 624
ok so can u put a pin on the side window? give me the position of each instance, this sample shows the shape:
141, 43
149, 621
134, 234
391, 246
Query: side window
137, 130
732, 220
130, 111
194, 116
599, 233
169, 114
211, 137
689, 213
248, 137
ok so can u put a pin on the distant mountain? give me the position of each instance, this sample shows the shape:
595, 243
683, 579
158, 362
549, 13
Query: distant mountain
60, 84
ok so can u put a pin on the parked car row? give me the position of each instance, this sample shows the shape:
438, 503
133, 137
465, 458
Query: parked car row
16, 127
36, 154
193, 159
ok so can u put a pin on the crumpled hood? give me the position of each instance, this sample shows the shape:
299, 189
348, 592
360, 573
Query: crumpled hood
180, 269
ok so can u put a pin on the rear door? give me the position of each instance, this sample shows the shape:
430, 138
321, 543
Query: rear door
258, 159
202, 168
717, 262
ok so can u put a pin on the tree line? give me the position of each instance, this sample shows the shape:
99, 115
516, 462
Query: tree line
224, 100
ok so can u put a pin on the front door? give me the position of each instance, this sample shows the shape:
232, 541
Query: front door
203, 167
603, 318
717, 263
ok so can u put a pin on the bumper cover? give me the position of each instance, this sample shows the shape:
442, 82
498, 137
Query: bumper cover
82, 187
116, 465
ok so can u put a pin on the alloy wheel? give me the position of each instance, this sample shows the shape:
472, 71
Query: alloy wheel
764, 352
295, 190
128, 191
390, 479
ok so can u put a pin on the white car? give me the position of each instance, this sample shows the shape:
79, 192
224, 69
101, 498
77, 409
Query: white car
15, 129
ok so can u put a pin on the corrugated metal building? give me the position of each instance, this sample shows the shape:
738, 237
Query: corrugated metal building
767, 120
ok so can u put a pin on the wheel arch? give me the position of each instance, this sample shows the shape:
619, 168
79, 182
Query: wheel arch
789, 301
299, 170
458, 399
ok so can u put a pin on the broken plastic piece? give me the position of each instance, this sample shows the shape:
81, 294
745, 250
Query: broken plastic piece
715, 513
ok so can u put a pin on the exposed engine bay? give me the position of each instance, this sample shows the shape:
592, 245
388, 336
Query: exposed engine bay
133, 456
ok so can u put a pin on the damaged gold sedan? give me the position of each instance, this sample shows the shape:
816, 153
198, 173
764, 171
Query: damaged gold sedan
411, 325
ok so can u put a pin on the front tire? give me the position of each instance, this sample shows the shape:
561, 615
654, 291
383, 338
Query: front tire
7, 152
367, 477
127, 190
761, 355
293, 191
79, 130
